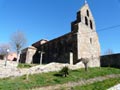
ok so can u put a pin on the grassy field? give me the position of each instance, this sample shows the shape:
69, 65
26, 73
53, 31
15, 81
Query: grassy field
104, 85
45, 79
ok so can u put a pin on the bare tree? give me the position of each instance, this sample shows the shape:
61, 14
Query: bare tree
18, 41
108, 52
3, 49
85, 62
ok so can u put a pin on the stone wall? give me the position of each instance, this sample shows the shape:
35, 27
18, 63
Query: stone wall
110, 60
57, 50
27, 55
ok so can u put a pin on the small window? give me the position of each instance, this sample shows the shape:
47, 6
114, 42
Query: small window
86, 21
90, 40
91, 25
87, 13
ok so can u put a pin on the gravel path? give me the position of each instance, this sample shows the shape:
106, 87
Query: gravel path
69, 85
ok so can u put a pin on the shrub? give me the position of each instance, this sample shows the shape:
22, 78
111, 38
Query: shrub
64, 71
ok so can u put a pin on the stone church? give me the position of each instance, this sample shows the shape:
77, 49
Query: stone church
81, 42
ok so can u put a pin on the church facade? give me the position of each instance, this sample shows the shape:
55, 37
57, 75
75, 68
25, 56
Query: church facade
81, 42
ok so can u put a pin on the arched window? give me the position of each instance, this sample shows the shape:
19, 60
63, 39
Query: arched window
87, 13
86, 21
91, 25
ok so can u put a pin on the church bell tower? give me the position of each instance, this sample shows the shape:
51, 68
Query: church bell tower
87, 39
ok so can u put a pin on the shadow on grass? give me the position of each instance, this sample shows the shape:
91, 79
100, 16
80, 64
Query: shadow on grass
58, 75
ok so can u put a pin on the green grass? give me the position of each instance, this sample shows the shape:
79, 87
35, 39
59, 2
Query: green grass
103, 85
22, 65
45, 79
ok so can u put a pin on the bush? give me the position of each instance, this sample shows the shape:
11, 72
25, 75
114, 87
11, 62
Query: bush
64, 71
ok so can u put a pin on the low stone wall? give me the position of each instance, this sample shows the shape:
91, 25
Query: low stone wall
7, 71
110, 60
9, 64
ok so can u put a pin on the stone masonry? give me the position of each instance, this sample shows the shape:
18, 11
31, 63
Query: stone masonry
27, 55
81, 42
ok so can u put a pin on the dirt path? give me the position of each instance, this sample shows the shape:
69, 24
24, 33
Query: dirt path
69, 85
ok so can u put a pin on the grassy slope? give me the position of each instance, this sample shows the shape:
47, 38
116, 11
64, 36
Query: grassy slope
44, 79
104, 85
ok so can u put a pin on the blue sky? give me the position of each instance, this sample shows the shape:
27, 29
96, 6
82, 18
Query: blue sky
52, 18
